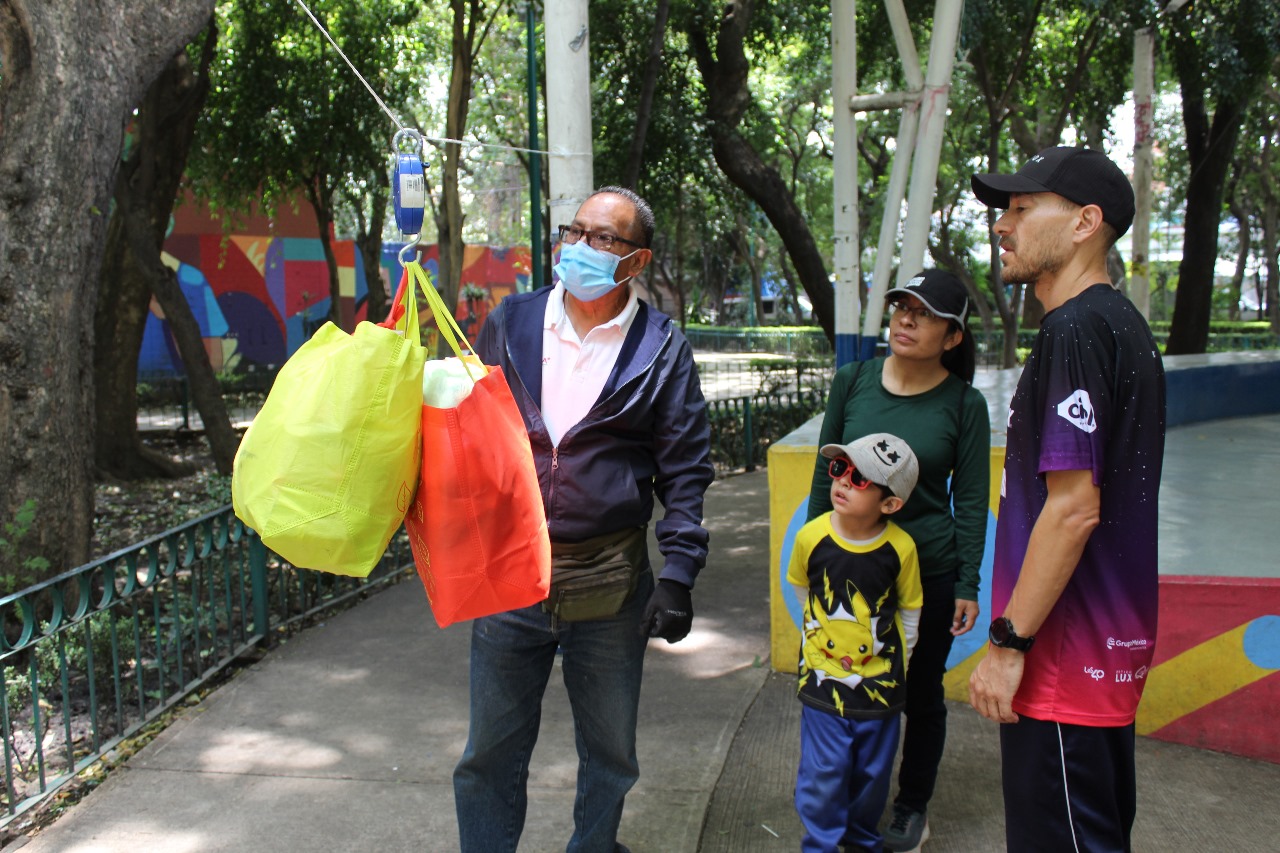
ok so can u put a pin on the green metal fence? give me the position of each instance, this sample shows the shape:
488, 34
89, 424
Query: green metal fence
742, 429
91, 656
803, 341
164, 402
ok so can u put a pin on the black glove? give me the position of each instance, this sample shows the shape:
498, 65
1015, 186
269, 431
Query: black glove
669, 613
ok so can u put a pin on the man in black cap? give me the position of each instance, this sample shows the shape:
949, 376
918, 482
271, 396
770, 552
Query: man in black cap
1074, 586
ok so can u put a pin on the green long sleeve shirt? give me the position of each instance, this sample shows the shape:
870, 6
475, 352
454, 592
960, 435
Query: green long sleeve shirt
948, 429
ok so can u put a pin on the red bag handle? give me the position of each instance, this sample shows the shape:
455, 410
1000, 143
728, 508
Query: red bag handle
397, 304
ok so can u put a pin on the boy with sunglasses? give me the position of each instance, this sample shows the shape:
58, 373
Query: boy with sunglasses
859, 578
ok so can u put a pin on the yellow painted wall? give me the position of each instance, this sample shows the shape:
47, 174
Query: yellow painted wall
790, 475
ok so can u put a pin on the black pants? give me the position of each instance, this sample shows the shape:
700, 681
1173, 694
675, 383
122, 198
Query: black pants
1067, 788
926, 710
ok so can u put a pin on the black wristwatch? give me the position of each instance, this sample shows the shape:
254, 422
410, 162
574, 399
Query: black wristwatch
1003, 636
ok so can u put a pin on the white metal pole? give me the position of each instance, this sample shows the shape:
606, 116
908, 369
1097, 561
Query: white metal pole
844, 82
1144, 129
905, 144
933, 117
568, 46
904, 147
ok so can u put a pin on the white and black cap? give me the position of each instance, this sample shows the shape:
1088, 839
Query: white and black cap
940, 291
881, 458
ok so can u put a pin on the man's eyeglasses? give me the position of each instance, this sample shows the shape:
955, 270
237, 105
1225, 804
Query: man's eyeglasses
920, 315
595, 239
840, 467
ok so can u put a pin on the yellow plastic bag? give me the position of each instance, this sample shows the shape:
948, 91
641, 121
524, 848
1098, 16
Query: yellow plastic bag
329, 466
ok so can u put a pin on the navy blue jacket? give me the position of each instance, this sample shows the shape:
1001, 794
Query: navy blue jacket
646, 434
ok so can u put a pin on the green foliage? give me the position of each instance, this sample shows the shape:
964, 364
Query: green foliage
711, 238
1222, 327
14, 532
17, 680
473, 291
1234, 41
743, 330
498, 181
776, 376
285, 115
224, 489
286, 112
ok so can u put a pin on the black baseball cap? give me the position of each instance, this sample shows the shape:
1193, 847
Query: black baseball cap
940, 291
1080, 175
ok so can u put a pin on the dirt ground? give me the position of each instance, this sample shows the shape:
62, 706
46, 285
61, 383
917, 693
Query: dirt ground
127, 512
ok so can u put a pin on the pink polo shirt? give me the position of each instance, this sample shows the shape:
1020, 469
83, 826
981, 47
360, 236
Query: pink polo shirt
574, 370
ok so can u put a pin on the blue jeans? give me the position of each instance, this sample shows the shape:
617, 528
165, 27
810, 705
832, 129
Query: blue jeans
843, 781
511, 659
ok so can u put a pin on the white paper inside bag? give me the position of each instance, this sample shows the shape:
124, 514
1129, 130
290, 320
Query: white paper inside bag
445, 382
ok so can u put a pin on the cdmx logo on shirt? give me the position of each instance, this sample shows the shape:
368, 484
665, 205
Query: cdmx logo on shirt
1077, 410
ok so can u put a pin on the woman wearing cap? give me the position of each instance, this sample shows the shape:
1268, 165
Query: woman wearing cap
922, 391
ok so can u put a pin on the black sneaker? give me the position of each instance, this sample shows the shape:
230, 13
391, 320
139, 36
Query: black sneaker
907, 831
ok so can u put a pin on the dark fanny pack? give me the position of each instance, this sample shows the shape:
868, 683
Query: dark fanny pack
594, 578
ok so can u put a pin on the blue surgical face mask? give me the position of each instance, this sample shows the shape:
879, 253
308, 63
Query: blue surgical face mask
588, 273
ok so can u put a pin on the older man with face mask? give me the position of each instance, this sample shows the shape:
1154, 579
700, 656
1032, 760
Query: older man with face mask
616, 417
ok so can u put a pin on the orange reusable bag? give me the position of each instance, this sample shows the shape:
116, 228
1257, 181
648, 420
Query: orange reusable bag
477, 526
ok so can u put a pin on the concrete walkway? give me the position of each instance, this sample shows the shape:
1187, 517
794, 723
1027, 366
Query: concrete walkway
345, 737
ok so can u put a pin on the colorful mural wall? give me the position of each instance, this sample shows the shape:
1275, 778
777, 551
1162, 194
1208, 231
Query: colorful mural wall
498, 272
258, 298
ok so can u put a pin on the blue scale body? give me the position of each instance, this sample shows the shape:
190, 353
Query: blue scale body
409, 193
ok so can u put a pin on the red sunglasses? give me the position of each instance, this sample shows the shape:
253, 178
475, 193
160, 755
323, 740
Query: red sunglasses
840, 467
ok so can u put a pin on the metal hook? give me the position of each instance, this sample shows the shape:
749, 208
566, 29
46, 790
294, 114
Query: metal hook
408, 133
411, 246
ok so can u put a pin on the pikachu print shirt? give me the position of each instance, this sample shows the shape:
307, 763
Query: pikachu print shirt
852, 656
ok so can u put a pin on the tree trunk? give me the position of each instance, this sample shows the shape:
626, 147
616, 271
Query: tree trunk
1006, 307
1116, 268
1270, 215
319, 193
789, 277
206, 390
124, 297
1242, 260
369, 244
644, 109
73, 71
468, 17
1209, 161
728, 97
132, 272
1270, 239
1211, 150
1032, 309
741, 240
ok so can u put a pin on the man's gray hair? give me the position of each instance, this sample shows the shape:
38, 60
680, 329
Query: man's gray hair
644, 213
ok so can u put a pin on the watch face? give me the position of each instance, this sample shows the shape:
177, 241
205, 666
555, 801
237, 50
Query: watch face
1002, 635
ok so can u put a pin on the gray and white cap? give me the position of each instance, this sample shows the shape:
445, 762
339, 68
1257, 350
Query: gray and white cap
882, 458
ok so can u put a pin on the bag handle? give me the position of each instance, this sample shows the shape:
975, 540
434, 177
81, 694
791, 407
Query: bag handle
404, 310
444, 319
